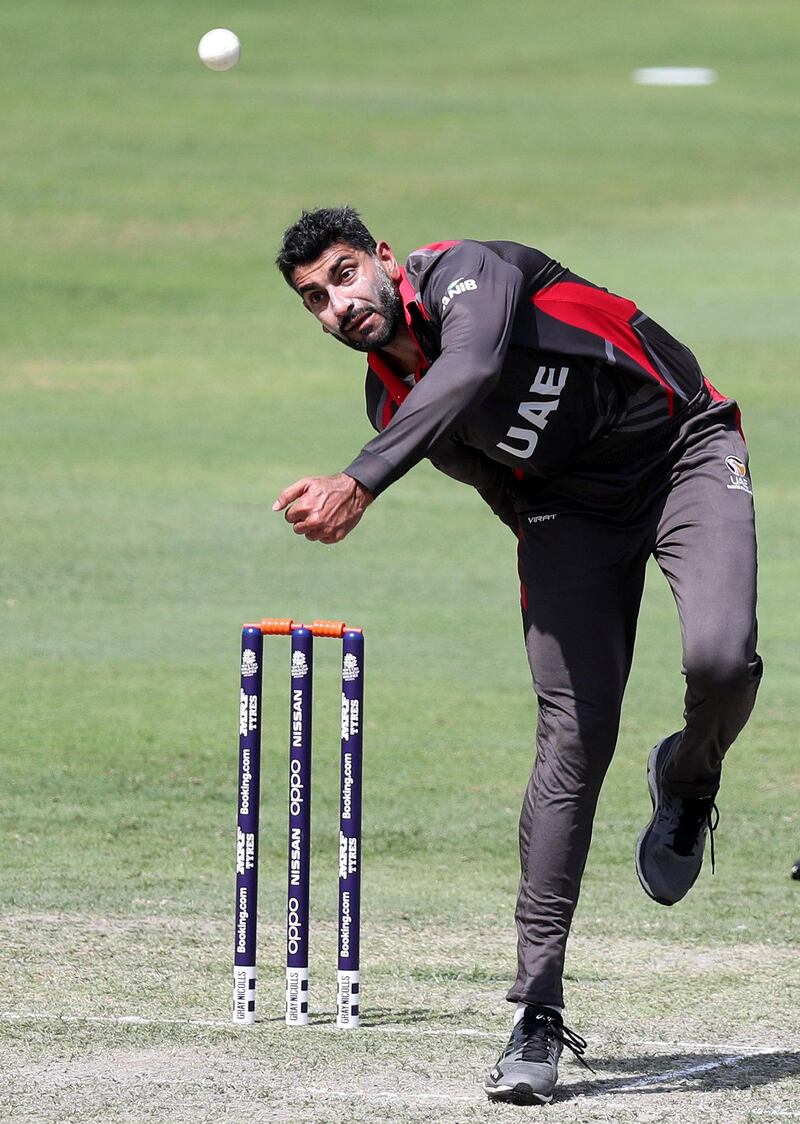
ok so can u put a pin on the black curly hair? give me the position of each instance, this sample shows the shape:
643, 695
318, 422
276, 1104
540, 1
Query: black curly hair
315, 231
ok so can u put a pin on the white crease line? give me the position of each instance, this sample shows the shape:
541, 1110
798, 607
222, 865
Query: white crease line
136, 1020
747, 1049
391, 1094
457, 1032
674, 1074
597, 1040
228, 1024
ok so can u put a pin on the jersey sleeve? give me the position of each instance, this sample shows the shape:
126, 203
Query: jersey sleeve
473, 294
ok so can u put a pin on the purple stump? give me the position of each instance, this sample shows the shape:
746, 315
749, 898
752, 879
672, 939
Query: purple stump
299, 827
246, 915
347, 1006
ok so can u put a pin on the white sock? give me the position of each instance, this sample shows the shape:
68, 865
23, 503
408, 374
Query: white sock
521, 1008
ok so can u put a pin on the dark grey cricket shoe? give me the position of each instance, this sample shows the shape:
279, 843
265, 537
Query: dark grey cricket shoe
527, 1070
669, 852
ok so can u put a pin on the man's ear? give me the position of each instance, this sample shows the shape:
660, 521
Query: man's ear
385, 255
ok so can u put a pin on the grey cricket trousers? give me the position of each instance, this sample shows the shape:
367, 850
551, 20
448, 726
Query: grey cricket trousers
582, 575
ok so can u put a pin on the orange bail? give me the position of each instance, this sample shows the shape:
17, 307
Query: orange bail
277, 626
328, 628
283, 626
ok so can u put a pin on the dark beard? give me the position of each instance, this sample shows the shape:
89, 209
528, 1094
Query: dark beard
389, 306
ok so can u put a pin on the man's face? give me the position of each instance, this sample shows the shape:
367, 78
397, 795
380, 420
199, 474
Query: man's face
353, 294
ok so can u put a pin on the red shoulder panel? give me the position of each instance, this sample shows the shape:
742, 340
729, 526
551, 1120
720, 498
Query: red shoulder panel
603, 314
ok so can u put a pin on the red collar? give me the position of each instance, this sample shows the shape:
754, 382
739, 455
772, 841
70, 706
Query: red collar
398, 389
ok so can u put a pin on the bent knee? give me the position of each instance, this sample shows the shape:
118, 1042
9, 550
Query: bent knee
722, 667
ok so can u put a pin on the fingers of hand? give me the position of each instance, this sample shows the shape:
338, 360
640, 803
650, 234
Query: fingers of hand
320, 508
334, 536
312, 531
297, 513
320, 530
288, 495
305, 515
300, 521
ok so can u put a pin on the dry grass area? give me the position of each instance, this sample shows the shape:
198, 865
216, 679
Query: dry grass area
126, 1020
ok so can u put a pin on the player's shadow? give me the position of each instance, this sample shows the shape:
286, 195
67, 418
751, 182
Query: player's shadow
410, 1016
378, 1017
659, 1073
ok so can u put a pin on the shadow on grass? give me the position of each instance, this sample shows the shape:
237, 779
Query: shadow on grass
661, 1073
411, 1016
378, 1017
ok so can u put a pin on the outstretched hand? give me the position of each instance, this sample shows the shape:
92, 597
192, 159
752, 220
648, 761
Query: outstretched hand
324, 508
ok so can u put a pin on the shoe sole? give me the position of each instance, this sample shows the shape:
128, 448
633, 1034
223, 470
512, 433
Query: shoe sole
520, 1094
652, 784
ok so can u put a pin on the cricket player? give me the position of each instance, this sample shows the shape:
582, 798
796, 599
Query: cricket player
593, 434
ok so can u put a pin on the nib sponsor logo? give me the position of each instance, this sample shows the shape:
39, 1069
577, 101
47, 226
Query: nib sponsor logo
460, 285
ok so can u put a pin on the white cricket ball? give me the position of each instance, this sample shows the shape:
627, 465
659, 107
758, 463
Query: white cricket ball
219, 49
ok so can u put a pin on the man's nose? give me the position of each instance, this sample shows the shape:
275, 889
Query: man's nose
339, 303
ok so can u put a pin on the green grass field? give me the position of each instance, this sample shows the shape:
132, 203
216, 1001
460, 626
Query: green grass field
159, 385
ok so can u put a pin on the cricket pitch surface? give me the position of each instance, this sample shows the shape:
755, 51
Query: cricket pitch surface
127, 1020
